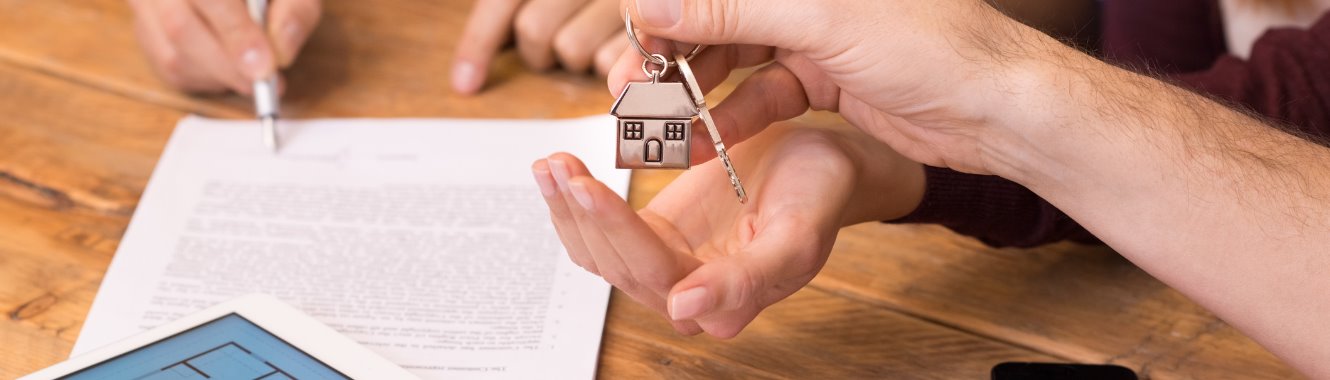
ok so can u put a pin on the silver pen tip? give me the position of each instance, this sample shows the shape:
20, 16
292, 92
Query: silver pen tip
269, 128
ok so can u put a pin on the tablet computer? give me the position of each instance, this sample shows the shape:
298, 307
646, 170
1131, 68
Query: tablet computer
252, 337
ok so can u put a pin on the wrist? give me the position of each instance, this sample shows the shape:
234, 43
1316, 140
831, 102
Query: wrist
886, 185
1033, 111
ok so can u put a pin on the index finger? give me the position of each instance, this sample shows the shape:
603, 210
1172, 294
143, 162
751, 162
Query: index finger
242, 37
771, 94
488, 27
290, 23
648, 259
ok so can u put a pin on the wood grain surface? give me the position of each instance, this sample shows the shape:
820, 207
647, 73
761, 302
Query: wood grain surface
83, 120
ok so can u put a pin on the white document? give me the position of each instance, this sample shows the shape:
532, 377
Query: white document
425, 240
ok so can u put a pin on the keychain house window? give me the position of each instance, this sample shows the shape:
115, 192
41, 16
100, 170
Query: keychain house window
632, 130
674, 131
655, 126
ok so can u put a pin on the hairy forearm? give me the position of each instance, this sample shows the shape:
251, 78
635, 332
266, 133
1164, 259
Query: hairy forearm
1228, 210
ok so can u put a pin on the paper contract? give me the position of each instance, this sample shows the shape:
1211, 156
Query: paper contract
425, 240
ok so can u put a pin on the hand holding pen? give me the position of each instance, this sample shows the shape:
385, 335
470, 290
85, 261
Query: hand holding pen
214, 46
267, 102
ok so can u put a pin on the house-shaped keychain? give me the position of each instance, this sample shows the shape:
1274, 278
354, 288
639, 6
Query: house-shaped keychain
655, 125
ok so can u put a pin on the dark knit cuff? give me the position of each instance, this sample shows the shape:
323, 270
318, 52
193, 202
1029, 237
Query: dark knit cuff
994, 210
952, 197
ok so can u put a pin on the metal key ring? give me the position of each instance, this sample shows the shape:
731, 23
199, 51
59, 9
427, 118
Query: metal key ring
654, 58
655, 75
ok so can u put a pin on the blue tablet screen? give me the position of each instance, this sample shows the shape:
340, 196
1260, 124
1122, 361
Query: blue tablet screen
229, 347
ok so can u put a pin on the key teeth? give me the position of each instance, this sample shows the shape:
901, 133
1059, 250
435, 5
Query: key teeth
724, 157
739, 190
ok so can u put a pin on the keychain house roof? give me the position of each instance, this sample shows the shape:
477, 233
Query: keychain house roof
655, 125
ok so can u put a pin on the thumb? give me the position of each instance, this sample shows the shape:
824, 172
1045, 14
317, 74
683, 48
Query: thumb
787, 24
715, 286
746, 282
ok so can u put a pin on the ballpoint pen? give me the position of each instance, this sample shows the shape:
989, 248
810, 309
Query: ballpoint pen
265, 90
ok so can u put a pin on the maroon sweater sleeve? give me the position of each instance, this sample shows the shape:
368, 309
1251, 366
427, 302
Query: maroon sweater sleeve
1173, 36
1286, 79
994, 210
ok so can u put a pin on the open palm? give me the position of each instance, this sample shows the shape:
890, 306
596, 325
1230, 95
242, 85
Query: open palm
695, 253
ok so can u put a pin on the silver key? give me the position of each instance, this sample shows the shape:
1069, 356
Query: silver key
701, 102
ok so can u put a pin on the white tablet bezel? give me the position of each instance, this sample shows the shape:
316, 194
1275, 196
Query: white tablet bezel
281, 320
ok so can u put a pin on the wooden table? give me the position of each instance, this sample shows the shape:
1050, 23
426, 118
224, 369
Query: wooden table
83, 120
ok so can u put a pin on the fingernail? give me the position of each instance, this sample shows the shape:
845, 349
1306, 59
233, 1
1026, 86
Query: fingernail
560, 170
690, 304
582, 196
256, 64
660, 13
292, 38
543, 180
464, 77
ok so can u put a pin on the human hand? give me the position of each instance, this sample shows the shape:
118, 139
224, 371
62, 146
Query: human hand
211, 46
919, 76
706, 261
578, 34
